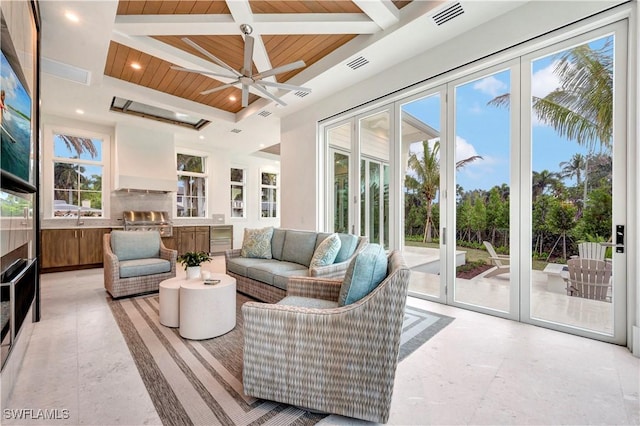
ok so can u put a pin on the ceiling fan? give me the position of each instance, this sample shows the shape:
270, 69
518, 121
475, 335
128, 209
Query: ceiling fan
245, 77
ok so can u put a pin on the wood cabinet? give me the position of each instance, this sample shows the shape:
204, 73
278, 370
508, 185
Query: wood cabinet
71, 248
169, 242
192, 238
221, 238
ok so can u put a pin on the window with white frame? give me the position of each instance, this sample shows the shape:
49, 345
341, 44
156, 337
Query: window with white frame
191, 198
78, 169
238, 192
269, 192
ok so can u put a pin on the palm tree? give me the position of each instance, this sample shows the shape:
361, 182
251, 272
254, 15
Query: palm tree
79, 145
541, 181
427, 178
574, 167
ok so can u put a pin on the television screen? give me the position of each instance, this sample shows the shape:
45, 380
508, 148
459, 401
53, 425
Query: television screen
15, 122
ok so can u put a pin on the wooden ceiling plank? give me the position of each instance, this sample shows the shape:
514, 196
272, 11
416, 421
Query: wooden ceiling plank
135, 7
159, 75
119, 60
151, 7
123, 6
168, 7
143, 60
185, 7
113, 47
127, 71
218, 7
382, 12
150, 70
315, 23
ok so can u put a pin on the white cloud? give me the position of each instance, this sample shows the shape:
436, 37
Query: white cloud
464, 149
544, 81
491, 86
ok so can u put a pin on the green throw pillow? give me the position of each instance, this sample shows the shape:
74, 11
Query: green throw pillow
326, 252
367, 269
257, 243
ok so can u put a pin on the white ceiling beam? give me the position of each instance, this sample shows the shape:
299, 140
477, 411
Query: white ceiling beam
281, 23
382, 12
242, 14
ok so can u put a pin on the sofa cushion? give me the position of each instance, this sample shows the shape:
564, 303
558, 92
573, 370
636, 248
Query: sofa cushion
307, 302
367, 269
140, 267
282, 279
299, 247
239, 265
257, 243
265, 272
277, 243
348, 244
128, 245
326, 252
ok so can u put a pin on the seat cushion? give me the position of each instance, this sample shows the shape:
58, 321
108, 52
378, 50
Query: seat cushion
326, 252
277, 243
299, 247
239, 265
127, 245
265, 272
257, 243
367, 269
307, 302
140, 267
348, 244
281, 280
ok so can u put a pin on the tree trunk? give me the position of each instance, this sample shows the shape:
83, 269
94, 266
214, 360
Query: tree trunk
427, 227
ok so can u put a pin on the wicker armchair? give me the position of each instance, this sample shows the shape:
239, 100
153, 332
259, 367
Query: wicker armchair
339, 360
144, 280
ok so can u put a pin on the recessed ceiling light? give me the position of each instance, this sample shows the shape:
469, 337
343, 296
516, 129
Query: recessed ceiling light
180, 115
261, 145
136, 66
232, 98
201, 137
79, 111
71, 16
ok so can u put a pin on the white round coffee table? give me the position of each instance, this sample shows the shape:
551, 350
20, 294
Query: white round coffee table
207, 311
170, 302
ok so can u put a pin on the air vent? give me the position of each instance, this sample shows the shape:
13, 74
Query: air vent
357, 63
448, 14
301, 94
236, 130
65, 71
264, 113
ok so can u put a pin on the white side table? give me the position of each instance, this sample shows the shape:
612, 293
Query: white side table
170, 302
207, 311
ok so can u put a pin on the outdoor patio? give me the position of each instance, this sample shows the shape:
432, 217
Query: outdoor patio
549, 301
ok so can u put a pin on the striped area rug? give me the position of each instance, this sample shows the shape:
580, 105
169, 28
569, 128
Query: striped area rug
200, 382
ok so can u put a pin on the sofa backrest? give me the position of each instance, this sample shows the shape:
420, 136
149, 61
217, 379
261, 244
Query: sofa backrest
277, 243
129, 245
348, 245
298, 246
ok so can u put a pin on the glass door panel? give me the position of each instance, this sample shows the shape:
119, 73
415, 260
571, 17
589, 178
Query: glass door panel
420, 126
339, 140
484, 278
572, 186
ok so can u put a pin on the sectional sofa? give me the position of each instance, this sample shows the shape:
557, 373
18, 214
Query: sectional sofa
291, 251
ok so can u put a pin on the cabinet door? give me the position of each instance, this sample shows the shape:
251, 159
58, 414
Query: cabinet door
60, 247
202, 239
170, 242
91, 245
186, 239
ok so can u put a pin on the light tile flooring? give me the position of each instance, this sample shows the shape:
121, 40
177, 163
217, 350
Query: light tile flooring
478, 370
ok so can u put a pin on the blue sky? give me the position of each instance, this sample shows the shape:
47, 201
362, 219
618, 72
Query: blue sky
15, 94
483, 130
60, 150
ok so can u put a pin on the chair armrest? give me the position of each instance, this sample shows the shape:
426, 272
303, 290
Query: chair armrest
501, 257
230, 254
315, 288
335, 270
168, 254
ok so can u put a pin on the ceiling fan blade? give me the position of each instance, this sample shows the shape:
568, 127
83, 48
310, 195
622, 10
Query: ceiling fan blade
248, 55
218, 88
245, 96
278, 70
268, 95
215, 74
283, 86
210, 56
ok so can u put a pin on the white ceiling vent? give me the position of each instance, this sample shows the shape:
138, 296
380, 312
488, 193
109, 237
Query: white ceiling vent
357, 63
236, 130
301, 94
264, 113
65, 71
448, 14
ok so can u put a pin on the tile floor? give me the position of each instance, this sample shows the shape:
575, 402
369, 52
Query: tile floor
478, 370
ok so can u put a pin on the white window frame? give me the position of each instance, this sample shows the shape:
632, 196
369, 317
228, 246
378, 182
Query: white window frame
243, 184
204, 175
50, 160
276, 187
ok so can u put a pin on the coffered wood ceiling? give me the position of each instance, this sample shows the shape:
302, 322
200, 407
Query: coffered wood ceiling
150, 34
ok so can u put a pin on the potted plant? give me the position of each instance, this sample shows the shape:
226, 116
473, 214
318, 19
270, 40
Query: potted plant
191, 261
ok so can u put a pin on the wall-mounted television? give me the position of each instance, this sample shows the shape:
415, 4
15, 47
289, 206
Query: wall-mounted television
15, 117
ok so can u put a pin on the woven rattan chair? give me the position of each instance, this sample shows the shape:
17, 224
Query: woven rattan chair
338, 360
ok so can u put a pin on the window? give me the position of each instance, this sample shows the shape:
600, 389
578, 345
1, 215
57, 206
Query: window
269, 189
237, 192
191, 198
77, 176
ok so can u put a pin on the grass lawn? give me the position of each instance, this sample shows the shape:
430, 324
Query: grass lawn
474, 254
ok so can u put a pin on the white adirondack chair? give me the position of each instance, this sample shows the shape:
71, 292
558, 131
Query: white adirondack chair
501, 261
589, 278
591, 251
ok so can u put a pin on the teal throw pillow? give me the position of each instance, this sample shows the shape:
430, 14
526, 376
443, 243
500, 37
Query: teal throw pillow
257, 243
325, 254
367, 269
